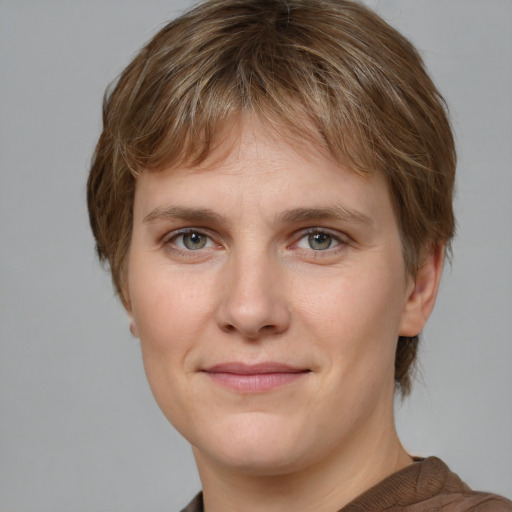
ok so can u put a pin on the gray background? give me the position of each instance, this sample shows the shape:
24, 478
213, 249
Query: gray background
79, 430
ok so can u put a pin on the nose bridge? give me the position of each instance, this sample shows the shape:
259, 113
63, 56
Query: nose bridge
253, 302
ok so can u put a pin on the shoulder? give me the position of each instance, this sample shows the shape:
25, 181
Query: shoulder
428, 485
471, 501
453, 495
196, 505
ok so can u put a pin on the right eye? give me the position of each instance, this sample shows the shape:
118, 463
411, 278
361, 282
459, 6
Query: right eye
191, 241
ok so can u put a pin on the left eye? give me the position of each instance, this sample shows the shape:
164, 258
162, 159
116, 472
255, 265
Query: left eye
192, 241
318, 241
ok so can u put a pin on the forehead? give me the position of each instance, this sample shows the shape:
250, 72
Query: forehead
259, 171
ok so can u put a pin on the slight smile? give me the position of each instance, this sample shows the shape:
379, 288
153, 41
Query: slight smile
256, 378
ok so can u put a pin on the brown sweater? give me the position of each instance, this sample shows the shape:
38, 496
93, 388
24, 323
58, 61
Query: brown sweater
425, 486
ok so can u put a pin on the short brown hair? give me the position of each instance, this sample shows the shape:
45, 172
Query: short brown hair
361, 85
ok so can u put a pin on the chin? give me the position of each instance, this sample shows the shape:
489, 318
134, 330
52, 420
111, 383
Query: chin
254, 445
250, 461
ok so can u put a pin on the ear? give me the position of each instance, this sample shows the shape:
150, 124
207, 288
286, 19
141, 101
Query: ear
125, 299
423, 290
133, 327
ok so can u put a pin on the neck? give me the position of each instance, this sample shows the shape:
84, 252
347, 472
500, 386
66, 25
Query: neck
325, 486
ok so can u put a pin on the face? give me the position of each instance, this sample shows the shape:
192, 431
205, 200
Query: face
268, 290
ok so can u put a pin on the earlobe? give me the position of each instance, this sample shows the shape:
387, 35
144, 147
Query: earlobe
422, 296
128, 306
133, 328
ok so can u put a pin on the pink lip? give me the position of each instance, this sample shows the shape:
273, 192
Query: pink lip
255, 378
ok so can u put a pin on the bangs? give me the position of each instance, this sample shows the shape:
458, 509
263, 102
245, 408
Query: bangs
183, 97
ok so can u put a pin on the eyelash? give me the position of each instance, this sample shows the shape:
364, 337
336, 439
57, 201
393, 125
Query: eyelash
341, 243
169, 242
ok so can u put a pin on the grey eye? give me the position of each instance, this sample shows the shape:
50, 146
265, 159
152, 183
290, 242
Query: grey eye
319, 241
194, 241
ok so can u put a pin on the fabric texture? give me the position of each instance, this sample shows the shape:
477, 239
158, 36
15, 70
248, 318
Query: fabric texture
427, 485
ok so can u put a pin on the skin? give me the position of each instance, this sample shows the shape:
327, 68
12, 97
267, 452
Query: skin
266, 286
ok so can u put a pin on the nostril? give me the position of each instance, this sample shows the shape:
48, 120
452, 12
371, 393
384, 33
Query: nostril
252, 318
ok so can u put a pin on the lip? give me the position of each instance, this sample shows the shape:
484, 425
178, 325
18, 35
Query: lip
254, 378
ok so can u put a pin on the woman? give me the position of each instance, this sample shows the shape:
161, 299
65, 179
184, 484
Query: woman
273, 192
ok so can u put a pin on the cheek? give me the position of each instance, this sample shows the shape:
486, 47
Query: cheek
168, 307
355, 319
170, 311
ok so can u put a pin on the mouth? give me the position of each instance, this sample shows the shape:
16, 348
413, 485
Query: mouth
257, 378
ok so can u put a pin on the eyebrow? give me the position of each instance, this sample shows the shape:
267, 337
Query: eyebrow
294, 215
334, 213
183, 213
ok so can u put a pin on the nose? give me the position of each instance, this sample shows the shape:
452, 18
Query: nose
253, 302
